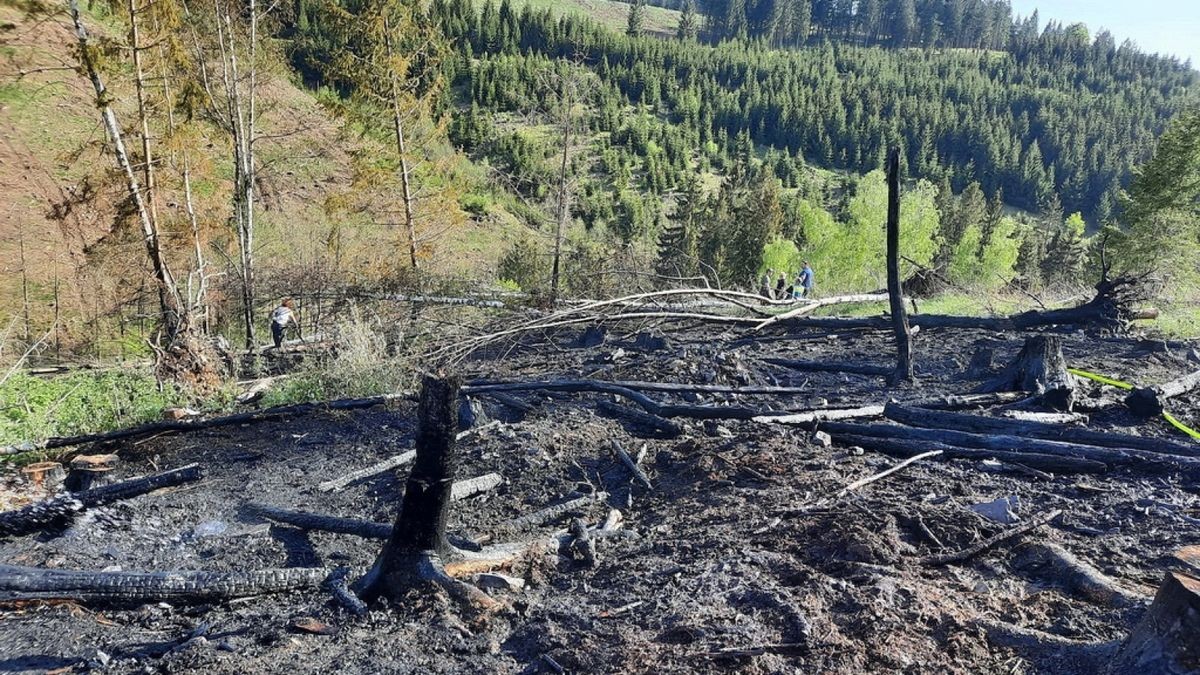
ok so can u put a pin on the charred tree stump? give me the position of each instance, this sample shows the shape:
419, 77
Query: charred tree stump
59, 510
1150, 401
1167, 640
417, 550
1041, 369
904, 355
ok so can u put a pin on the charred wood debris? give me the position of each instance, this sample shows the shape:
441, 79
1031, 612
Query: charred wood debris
1029, 416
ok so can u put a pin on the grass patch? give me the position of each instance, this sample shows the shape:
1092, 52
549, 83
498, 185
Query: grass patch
35, 408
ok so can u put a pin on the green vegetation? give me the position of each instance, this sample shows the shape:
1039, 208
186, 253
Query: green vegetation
35, 408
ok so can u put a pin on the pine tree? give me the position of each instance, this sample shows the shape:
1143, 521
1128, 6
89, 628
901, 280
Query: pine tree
636, 18
689, 22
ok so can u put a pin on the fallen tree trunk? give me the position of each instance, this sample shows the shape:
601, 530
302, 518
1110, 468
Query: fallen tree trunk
901, 448
804, 418
1150, 401
57, 511
552, 512
1167, 640
1040, 369
831, 367
978, 424
32, 583
1138, 459
814, 305
659, 427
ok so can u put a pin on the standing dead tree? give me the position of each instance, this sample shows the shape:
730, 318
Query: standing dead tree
417, 550
904, 354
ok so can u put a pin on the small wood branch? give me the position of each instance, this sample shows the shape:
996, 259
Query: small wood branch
831, 367
884, 474
979, 424
1040, 369
972, 551
464, 489
57, 511
896, 447
1058, 565
552, 512
30, 583
313, 521
669, 387
811, 306
1151, 401
660, 427
1167, 640
806, 418
632, 465
373, 470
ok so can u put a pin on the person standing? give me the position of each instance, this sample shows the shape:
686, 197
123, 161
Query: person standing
808, 280
764, 288
779, 286
283, 316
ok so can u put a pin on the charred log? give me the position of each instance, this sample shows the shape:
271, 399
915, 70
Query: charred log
1150, 401
1136, 459
60, 510
978, 424
904, 449
31, 583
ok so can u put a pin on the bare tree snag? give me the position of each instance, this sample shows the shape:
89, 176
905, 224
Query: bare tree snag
57, 511
1041, 369
1167, 640
416, 551
979, 424
904, 355
1150, 401
32, 583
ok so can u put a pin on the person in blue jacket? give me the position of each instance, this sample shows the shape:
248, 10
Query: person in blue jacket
807, 280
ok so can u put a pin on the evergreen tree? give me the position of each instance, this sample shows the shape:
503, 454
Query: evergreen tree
636, 18
689, 22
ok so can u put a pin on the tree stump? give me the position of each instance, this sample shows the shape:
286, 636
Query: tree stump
1040, 369
1167, 640
417, 549
1150, 401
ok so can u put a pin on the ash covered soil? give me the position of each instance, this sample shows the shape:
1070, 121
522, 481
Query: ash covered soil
740, 543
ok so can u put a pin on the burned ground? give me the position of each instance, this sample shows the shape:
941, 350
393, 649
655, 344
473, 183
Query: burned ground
741, 543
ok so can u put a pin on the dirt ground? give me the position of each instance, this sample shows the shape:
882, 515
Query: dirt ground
739, 544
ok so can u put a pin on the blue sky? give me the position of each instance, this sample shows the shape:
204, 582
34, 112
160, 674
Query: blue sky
1164, 26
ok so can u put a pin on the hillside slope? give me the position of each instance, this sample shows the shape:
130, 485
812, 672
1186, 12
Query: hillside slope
62, 235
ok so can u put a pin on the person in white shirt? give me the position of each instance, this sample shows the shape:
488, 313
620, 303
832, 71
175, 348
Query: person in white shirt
282, 317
